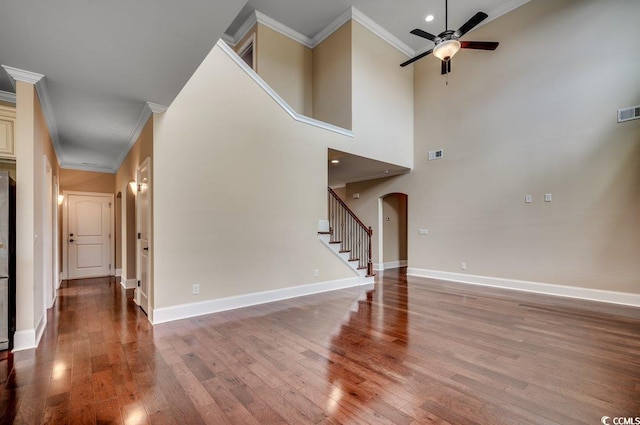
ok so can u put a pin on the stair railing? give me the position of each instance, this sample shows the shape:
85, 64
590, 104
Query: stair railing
347, 229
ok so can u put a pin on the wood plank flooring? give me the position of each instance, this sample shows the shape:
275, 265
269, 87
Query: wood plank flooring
412, 351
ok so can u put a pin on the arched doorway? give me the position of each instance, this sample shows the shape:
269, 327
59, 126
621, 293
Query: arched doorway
392, 236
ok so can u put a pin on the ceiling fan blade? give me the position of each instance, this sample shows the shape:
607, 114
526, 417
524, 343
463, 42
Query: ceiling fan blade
445, 67
424, 34
471, 23
479, 45
412, 60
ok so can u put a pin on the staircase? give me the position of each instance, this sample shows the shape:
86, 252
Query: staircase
348, 237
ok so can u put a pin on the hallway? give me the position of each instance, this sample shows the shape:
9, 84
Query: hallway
422, 352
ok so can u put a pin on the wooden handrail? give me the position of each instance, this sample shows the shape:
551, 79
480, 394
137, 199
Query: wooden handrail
351, 213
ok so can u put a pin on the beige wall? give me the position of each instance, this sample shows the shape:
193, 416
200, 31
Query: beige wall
244, 217
256, 188
141, 150
332, 100
512, 124
394, 228
86, 181
10, 167
382, 99
352, 80
286, 66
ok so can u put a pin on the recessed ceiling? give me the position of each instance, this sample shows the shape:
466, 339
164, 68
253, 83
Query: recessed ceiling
103, 60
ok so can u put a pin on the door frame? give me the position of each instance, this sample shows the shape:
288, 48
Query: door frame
149, 309
380, 265
48, 281
56, 233
65, 228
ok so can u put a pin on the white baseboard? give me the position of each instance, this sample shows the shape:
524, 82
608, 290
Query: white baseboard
29, 338
24, 340
118, 272
42, 323
390, 265
600, 295
184, 311
127, 283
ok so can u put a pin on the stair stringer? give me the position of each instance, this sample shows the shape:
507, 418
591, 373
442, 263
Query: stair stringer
325, 238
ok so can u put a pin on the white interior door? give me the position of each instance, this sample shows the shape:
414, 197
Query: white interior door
143, 222
89, 235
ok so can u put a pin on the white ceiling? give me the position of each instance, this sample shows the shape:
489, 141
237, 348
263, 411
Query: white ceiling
104, 59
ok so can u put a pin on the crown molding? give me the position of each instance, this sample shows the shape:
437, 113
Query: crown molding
144, 116
8, 97
47, 109
244, 29
332, 27
283, 29
40, 83
349, 14
503, 10
375, 28
86, 167
156, 108
228, 39
22, 75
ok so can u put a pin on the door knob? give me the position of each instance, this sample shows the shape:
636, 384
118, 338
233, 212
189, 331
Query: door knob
70, 240
146, 248
70, 234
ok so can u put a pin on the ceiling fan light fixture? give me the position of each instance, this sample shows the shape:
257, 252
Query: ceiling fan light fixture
445, 50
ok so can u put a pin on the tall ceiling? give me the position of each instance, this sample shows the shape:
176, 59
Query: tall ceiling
103, 60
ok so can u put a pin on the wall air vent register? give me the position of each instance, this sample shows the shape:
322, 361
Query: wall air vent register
628, 114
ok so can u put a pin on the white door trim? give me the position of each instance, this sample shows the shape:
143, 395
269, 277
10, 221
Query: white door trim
379, 264
48, 282
65, 227
56, 233
148, 309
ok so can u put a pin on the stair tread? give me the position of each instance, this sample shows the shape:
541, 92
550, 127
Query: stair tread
344, 251
324, 233
334, 242
354, 259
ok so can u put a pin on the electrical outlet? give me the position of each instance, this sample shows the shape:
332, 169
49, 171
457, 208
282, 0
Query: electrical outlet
463, 266
528, 199
196, 289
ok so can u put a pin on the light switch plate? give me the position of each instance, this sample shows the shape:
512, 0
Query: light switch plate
528, 199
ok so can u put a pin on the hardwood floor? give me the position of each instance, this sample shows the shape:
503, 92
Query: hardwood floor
418, 352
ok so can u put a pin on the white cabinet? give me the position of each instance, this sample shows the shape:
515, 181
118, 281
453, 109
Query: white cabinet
7, 132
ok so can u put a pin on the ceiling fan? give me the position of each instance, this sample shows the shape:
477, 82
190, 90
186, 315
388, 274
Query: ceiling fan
447, 43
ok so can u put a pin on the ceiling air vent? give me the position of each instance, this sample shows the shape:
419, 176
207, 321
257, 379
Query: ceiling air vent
628, 114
